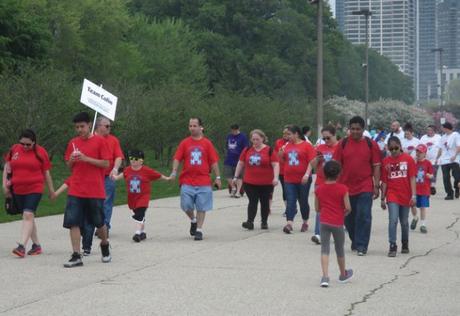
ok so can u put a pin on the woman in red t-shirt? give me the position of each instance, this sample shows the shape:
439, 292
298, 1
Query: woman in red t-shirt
296, 155
261, 171
28, 165
399, 190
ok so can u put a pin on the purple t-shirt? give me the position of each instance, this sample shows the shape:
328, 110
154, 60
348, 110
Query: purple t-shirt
234, 146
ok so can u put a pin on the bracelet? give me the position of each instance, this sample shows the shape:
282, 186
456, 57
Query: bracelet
235, 178
173, 174
218, 178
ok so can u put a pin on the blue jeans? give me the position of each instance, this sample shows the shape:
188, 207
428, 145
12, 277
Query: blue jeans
395, 212
87, 231
297, 192
359, 221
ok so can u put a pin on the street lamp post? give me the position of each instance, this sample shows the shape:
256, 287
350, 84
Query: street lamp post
319, 67
367, 13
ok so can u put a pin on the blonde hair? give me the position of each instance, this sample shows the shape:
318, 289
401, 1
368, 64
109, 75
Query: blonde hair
260, 133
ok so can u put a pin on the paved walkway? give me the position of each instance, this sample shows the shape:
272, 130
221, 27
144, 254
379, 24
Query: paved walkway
232, 271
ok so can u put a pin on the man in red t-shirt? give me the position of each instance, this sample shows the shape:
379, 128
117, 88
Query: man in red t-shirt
87, 156
360, 159
199, 157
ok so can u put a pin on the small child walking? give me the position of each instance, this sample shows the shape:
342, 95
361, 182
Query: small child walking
333, 204
423, 184
138, 178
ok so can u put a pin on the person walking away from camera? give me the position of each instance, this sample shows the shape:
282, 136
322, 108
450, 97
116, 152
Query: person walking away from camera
261, 171
423, 181
332, 204
236, 142
432, 141
87, 155
29, 165
198, 156
324, 153
360, 159
138, 178
297, 154
398, 193
448, 159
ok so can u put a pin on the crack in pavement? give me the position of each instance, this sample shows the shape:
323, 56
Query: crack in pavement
372, 292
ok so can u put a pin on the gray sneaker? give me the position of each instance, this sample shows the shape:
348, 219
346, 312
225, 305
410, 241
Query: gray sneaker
423, 229
75, 261
347, 277
324, 281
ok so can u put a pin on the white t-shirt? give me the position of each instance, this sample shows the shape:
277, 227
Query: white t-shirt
408, 145
432, 143
448, 145
400, 135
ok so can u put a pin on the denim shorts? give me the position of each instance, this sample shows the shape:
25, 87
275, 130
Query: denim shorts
195, 198
423, 201
27, 202
78, 209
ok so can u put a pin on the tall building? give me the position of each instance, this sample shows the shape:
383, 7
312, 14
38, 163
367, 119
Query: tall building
392, 29
448, 27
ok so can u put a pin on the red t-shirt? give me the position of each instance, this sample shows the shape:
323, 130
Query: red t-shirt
87, 180
357, 160
138, 185
258, 168
115, 151
331, 203
328, 153
28, 171
198, 157
278, 144
424, 167
296, 159
396, 173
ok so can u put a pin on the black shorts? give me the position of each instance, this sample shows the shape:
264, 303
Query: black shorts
78, 209
27, 202
139, 214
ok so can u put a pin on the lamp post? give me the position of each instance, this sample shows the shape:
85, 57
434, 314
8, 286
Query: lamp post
319, 67
367, 13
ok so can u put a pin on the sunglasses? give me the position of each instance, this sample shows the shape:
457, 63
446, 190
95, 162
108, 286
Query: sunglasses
326, 138
136, 158
393, 148
107, 126
26, 144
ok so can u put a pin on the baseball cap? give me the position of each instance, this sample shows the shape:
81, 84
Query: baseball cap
421, 148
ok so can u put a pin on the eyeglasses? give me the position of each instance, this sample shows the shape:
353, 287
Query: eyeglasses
326, 138
393, 148
26, 144
136, 158
107, 126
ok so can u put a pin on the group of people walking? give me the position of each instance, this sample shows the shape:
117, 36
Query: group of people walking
350, 174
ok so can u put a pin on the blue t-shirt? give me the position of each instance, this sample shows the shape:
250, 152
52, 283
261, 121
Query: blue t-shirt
234, 146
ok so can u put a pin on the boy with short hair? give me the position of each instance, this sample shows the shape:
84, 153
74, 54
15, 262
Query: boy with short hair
423, 183
138, 178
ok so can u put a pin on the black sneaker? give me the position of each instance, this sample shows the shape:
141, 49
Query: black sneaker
192, 229
248, 225
105, 253
457, 193
198, 235
413, 224
433, 191
143, 236
449, 197
393, 250
86, 252
263, 226
405, 247
75, 261
137, 238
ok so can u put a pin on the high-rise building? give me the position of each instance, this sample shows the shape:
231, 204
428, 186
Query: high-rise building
448, 28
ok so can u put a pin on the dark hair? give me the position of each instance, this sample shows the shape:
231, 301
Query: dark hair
30, 134
332, 169
395, 139
136, 153
329, 128
408, 127
357, 120
200, 121
432, 127
234, 126
448, 126
295, 130
305, 129
82, 117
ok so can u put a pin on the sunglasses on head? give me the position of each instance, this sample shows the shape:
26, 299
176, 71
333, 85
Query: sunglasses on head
136, 158
26, 144
393, 148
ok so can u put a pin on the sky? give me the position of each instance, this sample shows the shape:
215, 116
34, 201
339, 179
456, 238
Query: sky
332, 4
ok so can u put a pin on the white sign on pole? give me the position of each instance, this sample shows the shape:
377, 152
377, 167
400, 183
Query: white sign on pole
99, 99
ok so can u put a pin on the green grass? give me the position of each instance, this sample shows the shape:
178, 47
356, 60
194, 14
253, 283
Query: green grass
60, 172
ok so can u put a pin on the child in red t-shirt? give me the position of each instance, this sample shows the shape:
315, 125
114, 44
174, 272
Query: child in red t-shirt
423, 184
333, 204
138, 178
